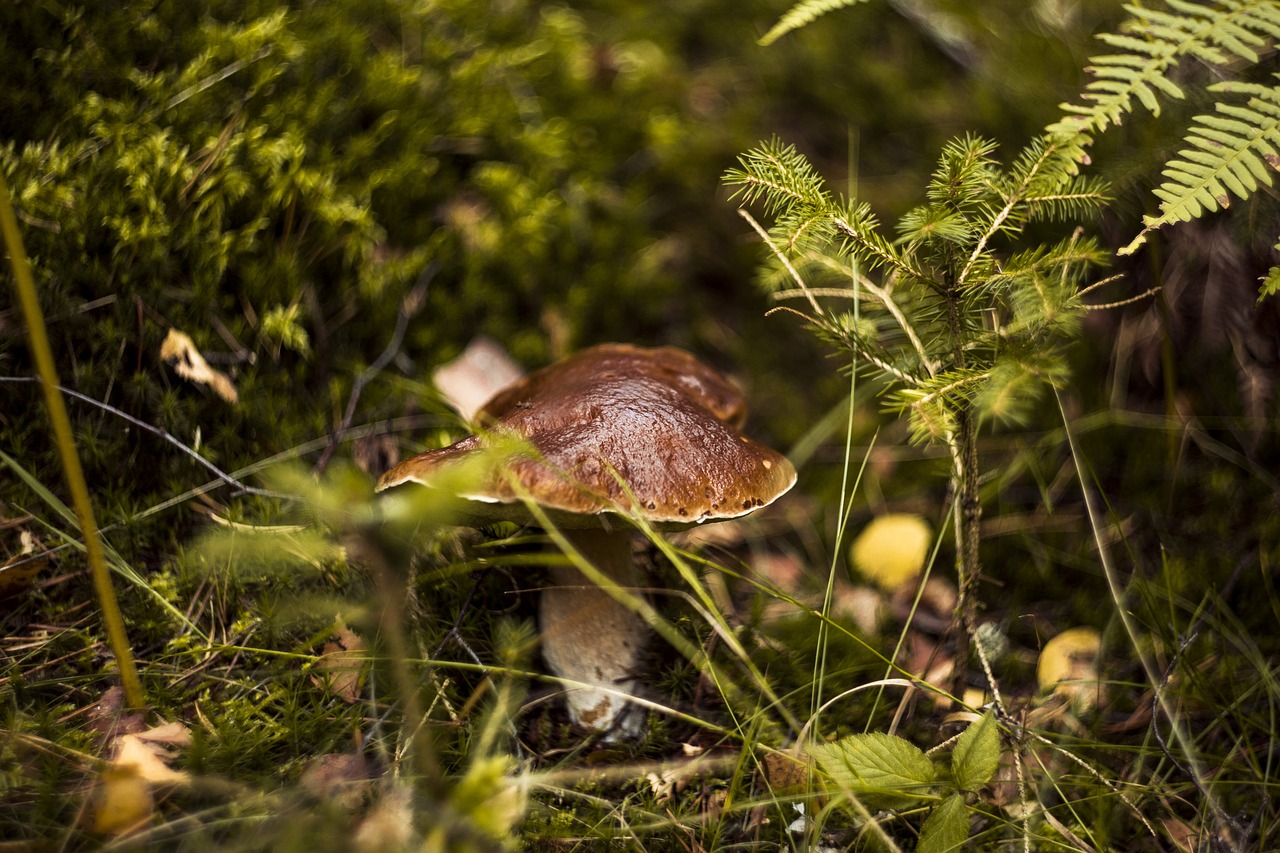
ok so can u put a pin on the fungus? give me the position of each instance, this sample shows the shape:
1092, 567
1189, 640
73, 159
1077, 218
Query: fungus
611, 432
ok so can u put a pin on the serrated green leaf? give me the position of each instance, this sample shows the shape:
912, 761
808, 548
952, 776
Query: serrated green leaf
801, 14
947, 827
976, 754
877, 768
1270, 284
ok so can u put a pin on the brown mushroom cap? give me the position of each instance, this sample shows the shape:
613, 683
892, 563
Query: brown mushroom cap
609, 420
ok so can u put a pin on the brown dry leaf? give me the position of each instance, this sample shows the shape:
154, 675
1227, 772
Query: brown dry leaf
938, 601
124, 797
782, 570
1182, 834
1002, 789
343, 779
786, 773
713, 804
470, 380
341, 665
179, 351
929, 662
18, 572
110, 720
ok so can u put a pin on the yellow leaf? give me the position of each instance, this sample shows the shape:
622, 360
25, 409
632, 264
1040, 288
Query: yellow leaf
18, 572
180, 352
122, 801
146, 760
1069, 665
341, 664
891, 550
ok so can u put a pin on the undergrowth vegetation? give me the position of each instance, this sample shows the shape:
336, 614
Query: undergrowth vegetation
1023, 596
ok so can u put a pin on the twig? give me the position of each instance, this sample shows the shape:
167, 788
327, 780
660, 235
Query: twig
156, 431
786, 262
408, 308
455, 633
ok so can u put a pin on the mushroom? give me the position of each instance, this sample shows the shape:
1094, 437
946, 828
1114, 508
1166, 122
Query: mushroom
611, 432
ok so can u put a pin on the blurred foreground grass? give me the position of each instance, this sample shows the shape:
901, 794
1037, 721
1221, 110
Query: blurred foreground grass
302, 189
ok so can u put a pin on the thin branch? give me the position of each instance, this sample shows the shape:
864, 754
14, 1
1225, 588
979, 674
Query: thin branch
408, 308
764, 235
949, 387
1151, 291
156, 431
1012, 200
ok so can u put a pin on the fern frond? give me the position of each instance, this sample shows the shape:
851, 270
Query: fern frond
802, 14
1271, 282
1228, 154
1152, 42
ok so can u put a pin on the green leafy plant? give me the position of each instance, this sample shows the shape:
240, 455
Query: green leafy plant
882, 771
1231, 151
963, 321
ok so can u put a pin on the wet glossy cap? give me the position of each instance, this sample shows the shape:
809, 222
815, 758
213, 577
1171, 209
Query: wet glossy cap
616, 429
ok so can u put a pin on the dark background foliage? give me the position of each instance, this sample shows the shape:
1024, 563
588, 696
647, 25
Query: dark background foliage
282, 181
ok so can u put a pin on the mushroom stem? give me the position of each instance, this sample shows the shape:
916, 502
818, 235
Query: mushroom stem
588, 636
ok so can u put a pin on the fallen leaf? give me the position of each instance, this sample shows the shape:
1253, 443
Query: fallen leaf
18, 572
1069, 666
124, 797
122, 802
1182, 834
929, 662
147, 760
470, 380
662, 786
339, 778
782, 570
180, 352
341, 665
861, 605
169, 734
937, 606
891, 550
108, 718
713, 804
786, 773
